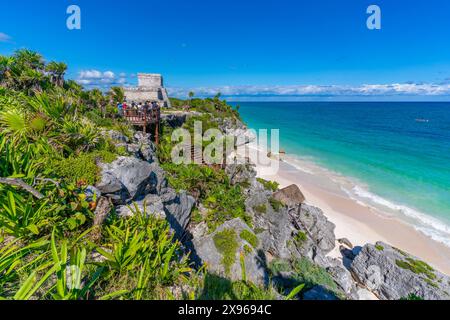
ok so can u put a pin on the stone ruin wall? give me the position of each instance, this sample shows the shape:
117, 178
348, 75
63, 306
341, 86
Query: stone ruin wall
150, 87
150, 80
137, 95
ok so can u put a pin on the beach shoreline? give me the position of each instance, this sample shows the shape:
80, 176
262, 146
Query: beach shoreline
355, 221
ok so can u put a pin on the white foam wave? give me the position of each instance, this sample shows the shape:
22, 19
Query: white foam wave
428, 225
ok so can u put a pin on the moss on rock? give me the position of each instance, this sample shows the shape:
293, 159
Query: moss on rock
227, 244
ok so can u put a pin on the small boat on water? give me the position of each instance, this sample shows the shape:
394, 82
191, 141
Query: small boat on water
422, 120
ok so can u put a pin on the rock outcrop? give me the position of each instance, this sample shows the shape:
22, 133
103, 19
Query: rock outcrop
127, 177
207, 251
178, 209
393, 274
318, 237
235, 128
284, 227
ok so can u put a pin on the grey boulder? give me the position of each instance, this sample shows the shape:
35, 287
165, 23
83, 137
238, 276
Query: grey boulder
207, 252
126, 175
178, 209
392, 274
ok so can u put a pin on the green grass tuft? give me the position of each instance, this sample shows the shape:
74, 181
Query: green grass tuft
416, 266
250, 238
276, 204
300, 237
227, 244
269, 185
261, 209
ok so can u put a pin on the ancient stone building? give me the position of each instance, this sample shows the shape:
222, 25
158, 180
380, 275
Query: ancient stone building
150, 87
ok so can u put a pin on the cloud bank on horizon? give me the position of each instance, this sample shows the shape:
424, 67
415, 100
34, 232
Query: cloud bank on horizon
105, 79
394, 89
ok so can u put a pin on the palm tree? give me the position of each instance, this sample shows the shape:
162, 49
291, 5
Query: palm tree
6, 64
98, 100
116, 94
31, 80
191, 95
30, 59
57, 71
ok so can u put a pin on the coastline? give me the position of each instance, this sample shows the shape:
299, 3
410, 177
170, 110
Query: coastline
355, 221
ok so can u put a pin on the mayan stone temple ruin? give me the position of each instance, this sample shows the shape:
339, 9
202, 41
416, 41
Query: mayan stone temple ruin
150, 88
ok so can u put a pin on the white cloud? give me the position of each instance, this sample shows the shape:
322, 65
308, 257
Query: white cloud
101, 79
4, 37
394, 89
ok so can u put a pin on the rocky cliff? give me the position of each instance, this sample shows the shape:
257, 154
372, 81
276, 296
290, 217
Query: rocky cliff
284, 231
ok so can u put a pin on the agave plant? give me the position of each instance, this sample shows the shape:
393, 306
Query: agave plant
79, 135
142, 250
20, 217
12, 256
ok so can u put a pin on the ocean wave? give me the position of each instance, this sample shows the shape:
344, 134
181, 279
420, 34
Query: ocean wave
359, 192
295, 163
428, 225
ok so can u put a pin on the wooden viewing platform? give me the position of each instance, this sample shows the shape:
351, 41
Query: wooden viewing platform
145, 119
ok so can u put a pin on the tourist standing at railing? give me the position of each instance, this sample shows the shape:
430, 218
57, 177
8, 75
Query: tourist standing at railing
120, 109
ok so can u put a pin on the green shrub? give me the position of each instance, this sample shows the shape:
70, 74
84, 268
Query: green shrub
412, 296
300, 237
276, 204
81, 168
279, 265
247, 249
214, 287
227, 244
305, 272
212, 188
141, 255
262, 208
416, 266
269, 185
249, 237
312, 274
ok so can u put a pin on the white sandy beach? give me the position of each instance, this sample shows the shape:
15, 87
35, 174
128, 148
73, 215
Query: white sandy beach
359, 223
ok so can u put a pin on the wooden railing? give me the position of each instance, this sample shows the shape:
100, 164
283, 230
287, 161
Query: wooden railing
144, 117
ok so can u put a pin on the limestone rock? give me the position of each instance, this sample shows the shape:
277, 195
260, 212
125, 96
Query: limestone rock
319, 293
239, 173
109, 183
126, 175
207, 252
178, 209
151, 205
393, 274
277, 232
92, 193
344, 280
345, 242
116, 136
317, 227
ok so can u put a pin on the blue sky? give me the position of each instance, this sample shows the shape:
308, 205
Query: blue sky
311, 49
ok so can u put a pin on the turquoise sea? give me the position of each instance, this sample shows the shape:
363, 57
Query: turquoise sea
398, 154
